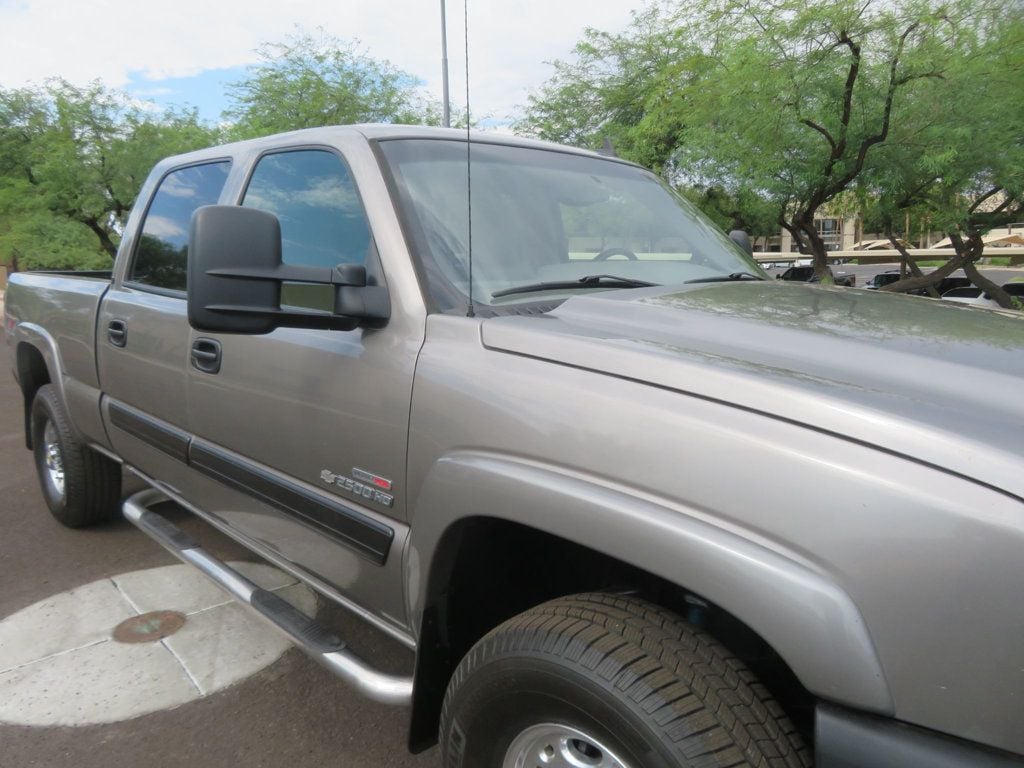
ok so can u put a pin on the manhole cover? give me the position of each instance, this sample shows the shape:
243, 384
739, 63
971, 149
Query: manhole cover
149, 627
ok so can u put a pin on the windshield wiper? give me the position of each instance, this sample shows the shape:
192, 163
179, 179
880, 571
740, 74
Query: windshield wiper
727, 278
589, 281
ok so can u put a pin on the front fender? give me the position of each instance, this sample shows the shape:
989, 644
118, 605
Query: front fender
808, 620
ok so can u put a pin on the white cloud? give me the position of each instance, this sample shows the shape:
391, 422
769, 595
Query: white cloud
509, 39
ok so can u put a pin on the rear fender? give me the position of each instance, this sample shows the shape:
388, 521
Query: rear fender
36, 337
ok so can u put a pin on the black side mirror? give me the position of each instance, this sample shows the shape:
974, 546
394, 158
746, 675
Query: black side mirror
235, 275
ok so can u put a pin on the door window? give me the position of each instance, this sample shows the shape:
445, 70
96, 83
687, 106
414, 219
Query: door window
322, 219
161, 256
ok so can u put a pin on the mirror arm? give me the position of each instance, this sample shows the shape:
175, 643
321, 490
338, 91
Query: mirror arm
342, 275
291, 317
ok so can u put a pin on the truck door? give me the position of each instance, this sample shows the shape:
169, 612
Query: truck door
300, 435
142, 340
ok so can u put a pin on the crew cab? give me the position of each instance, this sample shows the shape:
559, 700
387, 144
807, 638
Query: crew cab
631, 503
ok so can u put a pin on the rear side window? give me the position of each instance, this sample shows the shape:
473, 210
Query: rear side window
323, 223
161, 257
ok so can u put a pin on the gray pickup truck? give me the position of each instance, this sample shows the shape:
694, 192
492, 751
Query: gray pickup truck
632, 504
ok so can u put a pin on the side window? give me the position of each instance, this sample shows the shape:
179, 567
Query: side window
323, 223
161, 256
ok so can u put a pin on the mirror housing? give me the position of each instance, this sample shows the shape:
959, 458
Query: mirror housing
742, 239
235, 275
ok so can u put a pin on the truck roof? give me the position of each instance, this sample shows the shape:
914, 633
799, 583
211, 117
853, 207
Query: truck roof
370, 132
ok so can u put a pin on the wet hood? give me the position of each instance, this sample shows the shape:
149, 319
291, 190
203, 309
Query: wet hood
938, 382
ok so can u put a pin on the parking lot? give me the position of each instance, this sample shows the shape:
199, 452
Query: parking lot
290, 713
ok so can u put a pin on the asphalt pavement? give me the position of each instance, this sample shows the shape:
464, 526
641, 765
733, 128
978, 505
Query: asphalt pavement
292, 713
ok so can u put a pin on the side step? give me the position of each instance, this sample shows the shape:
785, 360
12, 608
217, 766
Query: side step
305, 632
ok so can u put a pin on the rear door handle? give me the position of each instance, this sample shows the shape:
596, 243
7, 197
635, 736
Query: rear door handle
206, 355
117, 332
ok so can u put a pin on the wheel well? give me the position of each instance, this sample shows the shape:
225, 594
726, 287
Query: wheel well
32, 374
487, 570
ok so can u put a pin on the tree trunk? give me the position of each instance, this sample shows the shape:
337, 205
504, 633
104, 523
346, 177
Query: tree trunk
818, 251
911, 263
1003, 299
106, 243
966, 252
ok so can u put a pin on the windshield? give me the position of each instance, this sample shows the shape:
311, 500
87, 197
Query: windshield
547, 225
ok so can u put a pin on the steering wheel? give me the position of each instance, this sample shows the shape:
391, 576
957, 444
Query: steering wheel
615, 251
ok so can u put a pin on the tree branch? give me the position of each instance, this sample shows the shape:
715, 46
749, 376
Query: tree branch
914, 269
1003, 299
822, 130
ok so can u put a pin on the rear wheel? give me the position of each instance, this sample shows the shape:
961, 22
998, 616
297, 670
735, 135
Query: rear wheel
81, 487
610, 682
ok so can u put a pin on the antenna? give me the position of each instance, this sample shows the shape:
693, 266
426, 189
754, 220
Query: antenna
444, 69
469, 176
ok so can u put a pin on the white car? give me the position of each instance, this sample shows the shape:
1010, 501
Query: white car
973, 295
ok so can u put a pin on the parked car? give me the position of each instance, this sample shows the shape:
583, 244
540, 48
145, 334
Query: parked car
883, 278
974, 295
945, 285
806, 275
639, 508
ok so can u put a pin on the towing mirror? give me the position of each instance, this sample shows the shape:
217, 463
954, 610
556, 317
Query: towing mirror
742, 239
235, 274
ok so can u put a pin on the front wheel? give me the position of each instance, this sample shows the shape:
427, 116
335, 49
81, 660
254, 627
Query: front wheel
81, 487
610, 682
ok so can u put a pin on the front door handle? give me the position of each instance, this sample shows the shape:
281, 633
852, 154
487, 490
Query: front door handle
117, 332
206, 355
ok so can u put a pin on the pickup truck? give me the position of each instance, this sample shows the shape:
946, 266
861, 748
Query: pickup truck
631, 503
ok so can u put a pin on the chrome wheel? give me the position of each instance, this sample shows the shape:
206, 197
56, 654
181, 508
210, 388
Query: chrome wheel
54, 459
549, 745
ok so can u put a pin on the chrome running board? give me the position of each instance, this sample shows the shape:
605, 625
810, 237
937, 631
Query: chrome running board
303, 631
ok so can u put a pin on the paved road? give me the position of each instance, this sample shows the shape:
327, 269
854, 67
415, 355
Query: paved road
293, 713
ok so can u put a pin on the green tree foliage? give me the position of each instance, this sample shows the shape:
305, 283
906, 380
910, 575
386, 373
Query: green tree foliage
786, 102
316, 80
957, 159
72, 161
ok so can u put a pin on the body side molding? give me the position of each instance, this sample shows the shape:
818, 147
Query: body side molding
361, 533
159, 434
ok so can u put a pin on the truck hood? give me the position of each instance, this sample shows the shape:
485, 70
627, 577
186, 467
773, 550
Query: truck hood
937, 382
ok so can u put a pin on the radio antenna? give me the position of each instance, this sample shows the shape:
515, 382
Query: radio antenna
470, 312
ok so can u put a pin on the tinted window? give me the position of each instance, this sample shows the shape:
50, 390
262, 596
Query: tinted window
322, 220
312, 194
162, 254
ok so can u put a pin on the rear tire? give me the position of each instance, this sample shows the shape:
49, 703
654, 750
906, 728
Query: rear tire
80, 486
615, 682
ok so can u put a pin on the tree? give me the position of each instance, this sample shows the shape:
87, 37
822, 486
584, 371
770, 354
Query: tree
788, 101
72, 160
959, 159
310, 81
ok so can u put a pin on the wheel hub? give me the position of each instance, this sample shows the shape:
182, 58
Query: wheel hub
551, 745
54, 459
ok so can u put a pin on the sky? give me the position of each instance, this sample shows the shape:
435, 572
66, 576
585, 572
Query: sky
184, 51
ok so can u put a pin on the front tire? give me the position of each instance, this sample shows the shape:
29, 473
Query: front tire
80, 486
611, 682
